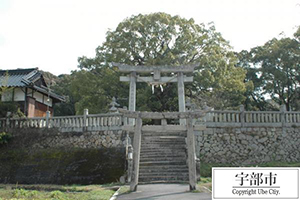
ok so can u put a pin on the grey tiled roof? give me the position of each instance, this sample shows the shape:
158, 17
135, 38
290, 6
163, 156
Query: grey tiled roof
18, 77
25, 78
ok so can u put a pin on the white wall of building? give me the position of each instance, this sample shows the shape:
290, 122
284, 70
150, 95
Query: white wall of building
38, 97
16, 94
19, 95
7, 95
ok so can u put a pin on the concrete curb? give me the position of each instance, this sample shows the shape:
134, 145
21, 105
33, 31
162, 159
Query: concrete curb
115, 195
206, 189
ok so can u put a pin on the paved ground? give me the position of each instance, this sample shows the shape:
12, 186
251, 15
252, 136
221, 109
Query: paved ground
164, 192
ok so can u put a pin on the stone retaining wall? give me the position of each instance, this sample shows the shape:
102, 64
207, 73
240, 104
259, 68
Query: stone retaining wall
241, 146
36, 155
95, 139
35, 138
47, 156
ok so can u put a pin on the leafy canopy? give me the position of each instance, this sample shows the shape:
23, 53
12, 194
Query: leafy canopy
274, 68
162, 39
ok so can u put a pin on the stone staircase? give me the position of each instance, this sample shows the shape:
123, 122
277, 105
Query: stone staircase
163, 158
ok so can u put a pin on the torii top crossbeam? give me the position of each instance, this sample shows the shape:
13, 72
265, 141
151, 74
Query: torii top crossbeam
149, 69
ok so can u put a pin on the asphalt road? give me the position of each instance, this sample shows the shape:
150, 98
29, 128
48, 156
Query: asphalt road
164, 192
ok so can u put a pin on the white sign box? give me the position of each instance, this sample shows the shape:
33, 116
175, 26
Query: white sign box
255, 183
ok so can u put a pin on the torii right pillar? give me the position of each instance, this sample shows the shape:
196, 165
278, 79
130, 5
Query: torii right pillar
181, 95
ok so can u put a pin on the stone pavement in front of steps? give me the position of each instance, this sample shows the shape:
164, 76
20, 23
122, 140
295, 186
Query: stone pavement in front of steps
164, 192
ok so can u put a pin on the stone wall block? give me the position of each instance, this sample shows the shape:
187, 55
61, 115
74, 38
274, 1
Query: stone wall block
249, 145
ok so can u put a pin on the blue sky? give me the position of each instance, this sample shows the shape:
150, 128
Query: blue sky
52, 34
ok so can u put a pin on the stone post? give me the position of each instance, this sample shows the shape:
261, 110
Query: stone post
114, 105
129, 160
282, 115
242, 114
47, 118
125, 119
191, 154
8, 115
181, 95
164, 122
136, 153
132, 95
85, 119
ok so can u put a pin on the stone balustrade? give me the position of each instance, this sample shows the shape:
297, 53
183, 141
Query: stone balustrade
77, 123
115, 121
244, 118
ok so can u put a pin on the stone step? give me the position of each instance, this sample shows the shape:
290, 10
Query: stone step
166, 152
163, 138
163, 144
163, 181
165, 167
161, 155
163, 178
181, 154
164, 170
174, 159
156, 155
163, 141
164, 162
164, 173
162, 149
162, 134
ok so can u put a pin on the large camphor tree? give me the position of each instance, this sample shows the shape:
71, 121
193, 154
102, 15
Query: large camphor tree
161, 39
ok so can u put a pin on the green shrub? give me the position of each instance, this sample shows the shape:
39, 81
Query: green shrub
5, 137
22, 193
12, 107
57, 194
8, 107
17, 193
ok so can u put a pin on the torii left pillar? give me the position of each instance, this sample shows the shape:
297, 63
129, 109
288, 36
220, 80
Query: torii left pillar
181, 95
132, 95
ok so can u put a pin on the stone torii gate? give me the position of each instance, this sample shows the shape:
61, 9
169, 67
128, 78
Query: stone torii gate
156, 79
189, 128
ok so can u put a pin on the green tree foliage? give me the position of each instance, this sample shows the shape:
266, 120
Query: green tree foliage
88, 89
161, 39
274, 69
63, 87
5, 138
255, 99
11, 107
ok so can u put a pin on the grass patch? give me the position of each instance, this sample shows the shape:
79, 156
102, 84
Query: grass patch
204, 185
124, 189
55, 192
